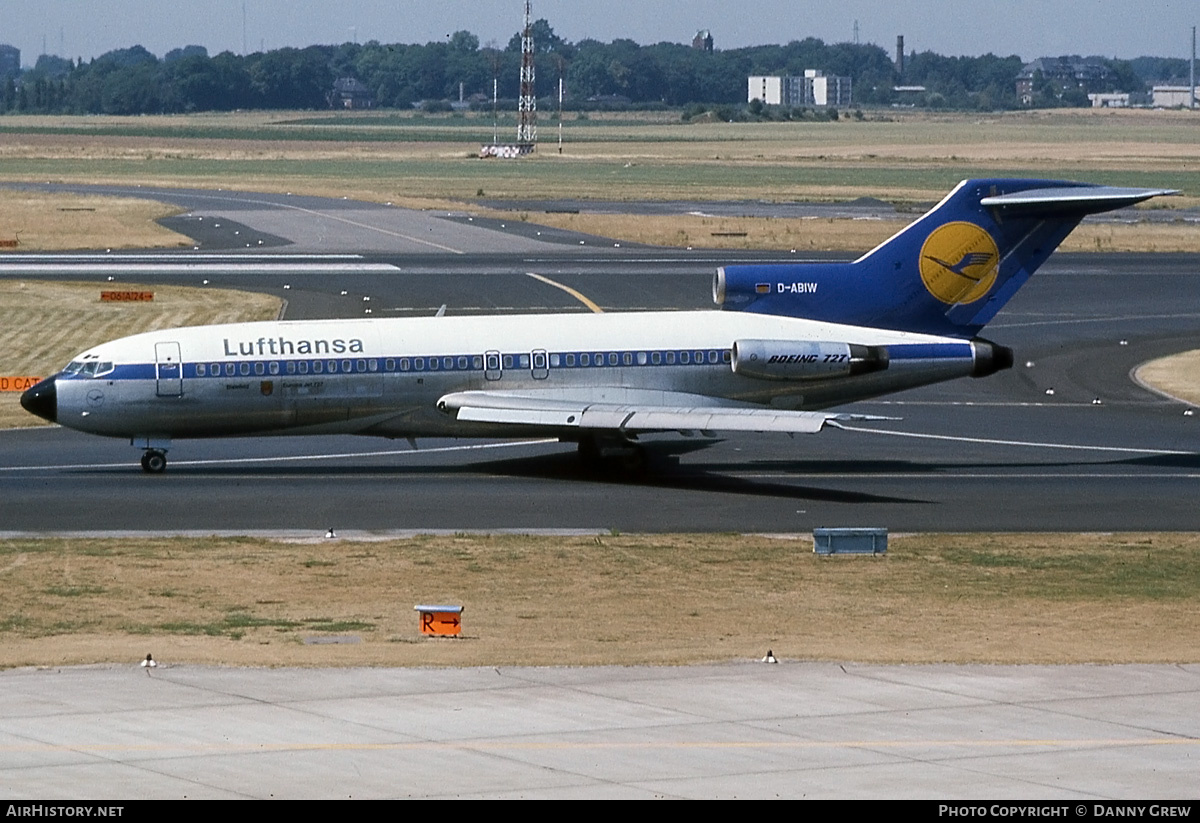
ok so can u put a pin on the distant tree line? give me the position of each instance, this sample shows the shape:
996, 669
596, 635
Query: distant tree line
617, 74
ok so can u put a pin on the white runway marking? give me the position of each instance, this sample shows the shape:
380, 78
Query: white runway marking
259, 257
151, 267
1111, 318
997, 442
292, 458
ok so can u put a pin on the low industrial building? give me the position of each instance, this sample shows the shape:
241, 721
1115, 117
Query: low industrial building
1173, 97
1110, 101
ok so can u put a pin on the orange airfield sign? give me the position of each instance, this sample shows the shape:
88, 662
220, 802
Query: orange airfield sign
11, 383
440, 621
126, 296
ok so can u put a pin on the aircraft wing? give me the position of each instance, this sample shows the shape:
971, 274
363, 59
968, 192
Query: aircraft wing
532, 410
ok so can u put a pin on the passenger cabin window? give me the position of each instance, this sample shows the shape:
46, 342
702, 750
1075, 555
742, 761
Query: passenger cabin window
201, 370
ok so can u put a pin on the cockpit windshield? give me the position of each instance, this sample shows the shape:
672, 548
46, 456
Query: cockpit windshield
92, 368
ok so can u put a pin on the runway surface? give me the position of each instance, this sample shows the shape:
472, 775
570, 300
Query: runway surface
1000, 453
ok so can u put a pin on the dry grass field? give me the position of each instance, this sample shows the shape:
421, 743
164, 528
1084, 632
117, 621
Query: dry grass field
649, 599
430, 162
899, 156
853, 236
54, 222
43, 324
1177, 375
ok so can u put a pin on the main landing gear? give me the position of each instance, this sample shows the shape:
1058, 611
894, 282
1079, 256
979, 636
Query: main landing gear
612, 454
154, 461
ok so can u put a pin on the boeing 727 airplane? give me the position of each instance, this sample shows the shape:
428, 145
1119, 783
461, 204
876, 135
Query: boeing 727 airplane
790, 340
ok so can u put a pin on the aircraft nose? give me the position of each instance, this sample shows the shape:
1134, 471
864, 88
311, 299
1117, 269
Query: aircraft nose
42, 399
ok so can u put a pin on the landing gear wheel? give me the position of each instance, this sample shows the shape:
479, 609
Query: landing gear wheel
612, 456
154, 462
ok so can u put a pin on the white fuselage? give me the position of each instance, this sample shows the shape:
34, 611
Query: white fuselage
384, 377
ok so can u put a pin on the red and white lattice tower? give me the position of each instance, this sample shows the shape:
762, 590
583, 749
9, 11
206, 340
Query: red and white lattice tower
527, 107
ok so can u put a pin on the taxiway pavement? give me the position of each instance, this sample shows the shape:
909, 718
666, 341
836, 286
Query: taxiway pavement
1033, 448
739, 730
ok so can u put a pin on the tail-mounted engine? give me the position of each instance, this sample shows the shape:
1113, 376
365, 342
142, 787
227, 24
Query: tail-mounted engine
805, 360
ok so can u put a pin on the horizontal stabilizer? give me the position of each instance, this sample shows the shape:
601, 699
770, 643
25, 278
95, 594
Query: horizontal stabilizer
1081, 200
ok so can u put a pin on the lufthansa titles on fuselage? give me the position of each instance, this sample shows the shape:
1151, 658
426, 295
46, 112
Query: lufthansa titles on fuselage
283, 346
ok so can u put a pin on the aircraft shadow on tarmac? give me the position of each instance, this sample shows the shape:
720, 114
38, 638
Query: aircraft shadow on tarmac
1162, 461
663, 471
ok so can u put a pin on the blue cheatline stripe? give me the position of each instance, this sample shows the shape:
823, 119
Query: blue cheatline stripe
430, 364
929, 351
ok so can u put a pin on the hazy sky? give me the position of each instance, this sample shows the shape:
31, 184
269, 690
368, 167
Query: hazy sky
1029, 28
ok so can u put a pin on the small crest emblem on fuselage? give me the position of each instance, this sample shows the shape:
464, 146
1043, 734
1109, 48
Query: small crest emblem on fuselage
959, 262
267, 387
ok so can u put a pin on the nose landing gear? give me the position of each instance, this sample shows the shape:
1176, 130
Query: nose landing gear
154, 452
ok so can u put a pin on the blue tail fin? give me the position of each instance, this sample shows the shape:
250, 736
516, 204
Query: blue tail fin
948, 273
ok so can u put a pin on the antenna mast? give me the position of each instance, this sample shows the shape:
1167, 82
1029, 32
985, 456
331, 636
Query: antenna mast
527, 107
